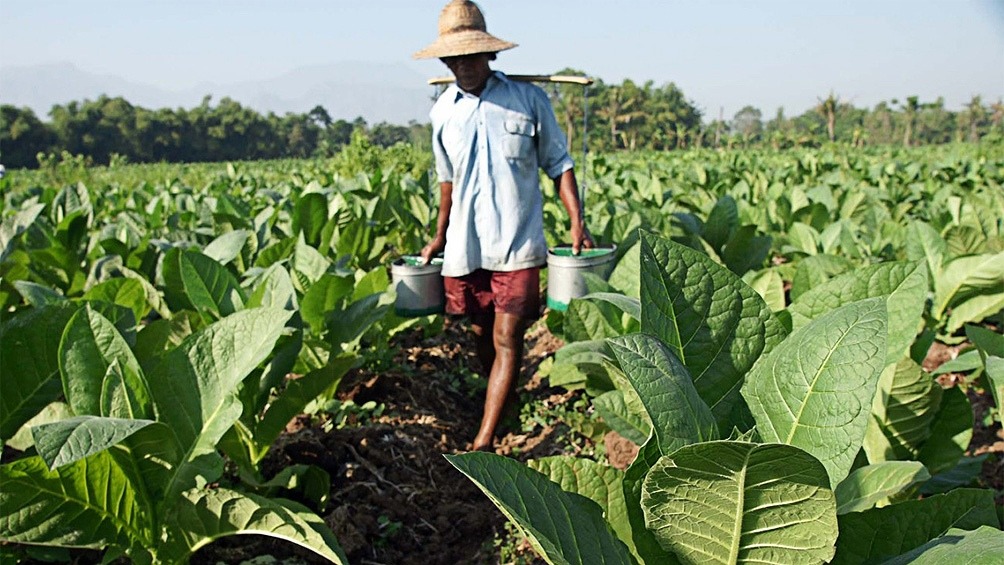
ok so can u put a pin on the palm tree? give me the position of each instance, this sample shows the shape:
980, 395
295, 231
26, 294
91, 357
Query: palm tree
976, 114
569, 103
609, 110
910, 110
828, 109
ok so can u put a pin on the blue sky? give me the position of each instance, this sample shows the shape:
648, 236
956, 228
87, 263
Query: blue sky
723, 54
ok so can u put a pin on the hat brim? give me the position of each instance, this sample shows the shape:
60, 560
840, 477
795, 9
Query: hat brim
463, 43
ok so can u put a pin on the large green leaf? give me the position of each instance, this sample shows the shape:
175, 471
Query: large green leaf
374, 282
627, 304
202, 516
975, 309
22, 440
991, 347
881, 533
600, 483
802, 238
300, 392
815, 270
815, 390
746, 250
90, 503
347, 325
951, 432
323, 296
194, 281
903, 284
310, 213
126, 292
715, 324
626, 275
923, 243
722, 221
872, 484
906, 404
577, 362
37, 295
13, 226
679, 415
70, 440
563, 527
273, 290
228, 246
194, 385
982, 546
734, 502
101, 377
965, 473
587, 320
629, 421
770, 286
29, 363
966, 276
308, 264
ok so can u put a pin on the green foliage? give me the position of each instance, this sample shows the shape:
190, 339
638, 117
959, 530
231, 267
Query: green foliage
791, 490
177, 312
142, 446
567, 527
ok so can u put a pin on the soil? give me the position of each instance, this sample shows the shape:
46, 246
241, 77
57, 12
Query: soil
394, 498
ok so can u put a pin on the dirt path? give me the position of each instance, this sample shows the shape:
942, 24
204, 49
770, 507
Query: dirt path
394, 497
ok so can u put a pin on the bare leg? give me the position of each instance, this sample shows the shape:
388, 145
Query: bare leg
507, 333
484, 343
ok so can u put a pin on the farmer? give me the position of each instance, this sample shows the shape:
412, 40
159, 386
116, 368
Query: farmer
490, 135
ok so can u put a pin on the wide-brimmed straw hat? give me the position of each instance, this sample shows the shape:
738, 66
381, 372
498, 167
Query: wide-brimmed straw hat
462, 31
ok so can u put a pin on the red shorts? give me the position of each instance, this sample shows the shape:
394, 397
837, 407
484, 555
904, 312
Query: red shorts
484, 293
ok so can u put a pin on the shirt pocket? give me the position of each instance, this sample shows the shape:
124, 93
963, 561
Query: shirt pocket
518, 140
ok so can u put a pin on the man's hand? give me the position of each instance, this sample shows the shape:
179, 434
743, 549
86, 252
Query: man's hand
580, 238
435, 247
568, 191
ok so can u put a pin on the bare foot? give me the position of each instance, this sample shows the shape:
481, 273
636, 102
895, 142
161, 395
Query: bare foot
482, 445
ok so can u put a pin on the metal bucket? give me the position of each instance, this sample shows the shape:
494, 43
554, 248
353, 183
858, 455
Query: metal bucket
419, 287
565, 272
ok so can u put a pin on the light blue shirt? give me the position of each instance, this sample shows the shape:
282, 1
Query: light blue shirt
491, 147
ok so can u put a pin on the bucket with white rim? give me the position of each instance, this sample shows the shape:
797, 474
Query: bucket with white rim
419, 287
566, 272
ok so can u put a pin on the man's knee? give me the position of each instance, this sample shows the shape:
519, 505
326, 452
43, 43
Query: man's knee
508, 332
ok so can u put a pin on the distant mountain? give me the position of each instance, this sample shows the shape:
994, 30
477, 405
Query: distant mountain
378, 92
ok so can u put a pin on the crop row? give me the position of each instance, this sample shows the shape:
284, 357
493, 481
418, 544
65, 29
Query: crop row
153, 319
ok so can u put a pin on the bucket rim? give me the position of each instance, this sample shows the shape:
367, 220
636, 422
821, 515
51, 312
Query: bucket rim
415, 261
564, 250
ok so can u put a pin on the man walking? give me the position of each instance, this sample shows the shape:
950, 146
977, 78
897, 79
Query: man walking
490, 135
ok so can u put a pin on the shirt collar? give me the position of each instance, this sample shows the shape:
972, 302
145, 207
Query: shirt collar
492, 78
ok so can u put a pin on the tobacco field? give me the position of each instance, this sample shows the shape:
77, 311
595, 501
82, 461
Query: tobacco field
798, 358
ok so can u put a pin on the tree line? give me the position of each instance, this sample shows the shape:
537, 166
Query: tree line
621, 116
112, 128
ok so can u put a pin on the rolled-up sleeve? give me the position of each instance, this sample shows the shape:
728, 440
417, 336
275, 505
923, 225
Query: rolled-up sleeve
552, 147
444, 168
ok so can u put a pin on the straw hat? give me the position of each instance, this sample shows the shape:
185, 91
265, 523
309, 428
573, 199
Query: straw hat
462, 31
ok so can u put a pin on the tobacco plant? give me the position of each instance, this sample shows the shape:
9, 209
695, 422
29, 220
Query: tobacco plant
130, 469
755, 432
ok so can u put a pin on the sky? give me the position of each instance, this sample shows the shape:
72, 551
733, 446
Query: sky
723, 54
